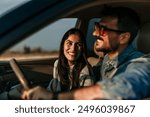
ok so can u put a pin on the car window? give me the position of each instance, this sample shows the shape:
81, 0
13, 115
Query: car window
44, 42
6, 5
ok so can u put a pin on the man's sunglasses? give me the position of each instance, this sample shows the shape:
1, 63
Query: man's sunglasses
103, 29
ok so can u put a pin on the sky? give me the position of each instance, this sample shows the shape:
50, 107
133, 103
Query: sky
48, 37
8, 4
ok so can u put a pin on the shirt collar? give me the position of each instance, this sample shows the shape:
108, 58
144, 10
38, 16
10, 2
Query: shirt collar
121, 57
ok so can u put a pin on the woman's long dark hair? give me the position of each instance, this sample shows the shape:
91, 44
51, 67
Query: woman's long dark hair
63, 67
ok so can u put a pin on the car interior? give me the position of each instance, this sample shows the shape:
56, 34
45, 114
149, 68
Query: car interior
39, 71
143, 42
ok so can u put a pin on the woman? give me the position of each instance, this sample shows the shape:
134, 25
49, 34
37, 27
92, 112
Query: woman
71, 70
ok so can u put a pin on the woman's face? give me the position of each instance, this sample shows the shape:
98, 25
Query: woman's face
72, 48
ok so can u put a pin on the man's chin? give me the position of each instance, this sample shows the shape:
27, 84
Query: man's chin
99, 49
102, 50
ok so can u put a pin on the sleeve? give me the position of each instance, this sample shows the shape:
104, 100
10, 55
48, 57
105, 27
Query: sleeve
54, 85
134, 83
85, 78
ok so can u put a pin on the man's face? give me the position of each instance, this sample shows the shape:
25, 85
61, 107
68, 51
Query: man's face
107, 35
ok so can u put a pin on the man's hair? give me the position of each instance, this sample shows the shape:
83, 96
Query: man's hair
128, 19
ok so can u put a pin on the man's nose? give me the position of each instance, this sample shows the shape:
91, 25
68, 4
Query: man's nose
95, 33
73, 47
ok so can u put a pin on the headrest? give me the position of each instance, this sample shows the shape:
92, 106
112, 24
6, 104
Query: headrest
143, 41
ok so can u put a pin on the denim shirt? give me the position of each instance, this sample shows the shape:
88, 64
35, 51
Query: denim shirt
112, 67
127, 76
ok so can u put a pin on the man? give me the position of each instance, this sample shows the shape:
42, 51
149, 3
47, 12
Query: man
123, 74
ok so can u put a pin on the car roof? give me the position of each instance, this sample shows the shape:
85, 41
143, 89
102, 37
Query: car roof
35, 14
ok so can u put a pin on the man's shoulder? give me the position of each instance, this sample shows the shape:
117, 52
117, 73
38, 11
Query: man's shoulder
141, 60
136, 54
129, 53
140, 63
144, 58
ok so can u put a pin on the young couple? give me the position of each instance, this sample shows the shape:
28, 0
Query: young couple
123, 73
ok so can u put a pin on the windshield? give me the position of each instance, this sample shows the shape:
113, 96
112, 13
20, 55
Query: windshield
6, 5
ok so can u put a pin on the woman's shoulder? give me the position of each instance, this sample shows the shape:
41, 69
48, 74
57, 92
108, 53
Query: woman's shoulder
85, 70
55, 70
56, 63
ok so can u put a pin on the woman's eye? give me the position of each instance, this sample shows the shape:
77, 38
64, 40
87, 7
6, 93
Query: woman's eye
79, 44
69, 43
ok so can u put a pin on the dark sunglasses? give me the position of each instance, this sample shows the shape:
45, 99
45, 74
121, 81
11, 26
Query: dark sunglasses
103, 29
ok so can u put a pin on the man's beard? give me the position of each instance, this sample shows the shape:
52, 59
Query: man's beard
108, 50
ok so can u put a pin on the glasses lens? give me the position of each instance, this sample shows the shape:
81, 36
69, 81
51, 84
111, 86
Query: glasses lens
100, 29
103, 30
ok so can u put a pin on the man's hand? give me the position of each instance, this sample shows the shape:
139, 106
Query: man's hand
86, 93
37, 93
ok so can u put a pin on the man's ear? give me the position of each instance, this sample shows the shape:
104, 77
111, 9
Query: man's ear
125, 37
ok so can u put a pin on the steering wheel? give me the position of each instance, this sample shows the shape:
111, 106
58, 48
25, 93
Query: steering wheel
17, 70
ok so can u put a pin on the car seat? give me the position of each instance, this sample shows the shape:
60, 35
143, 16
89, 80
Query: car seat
143, 41
94, 60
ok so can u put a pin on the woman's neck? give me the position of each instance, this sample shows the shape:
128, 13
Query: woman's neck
71, 65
